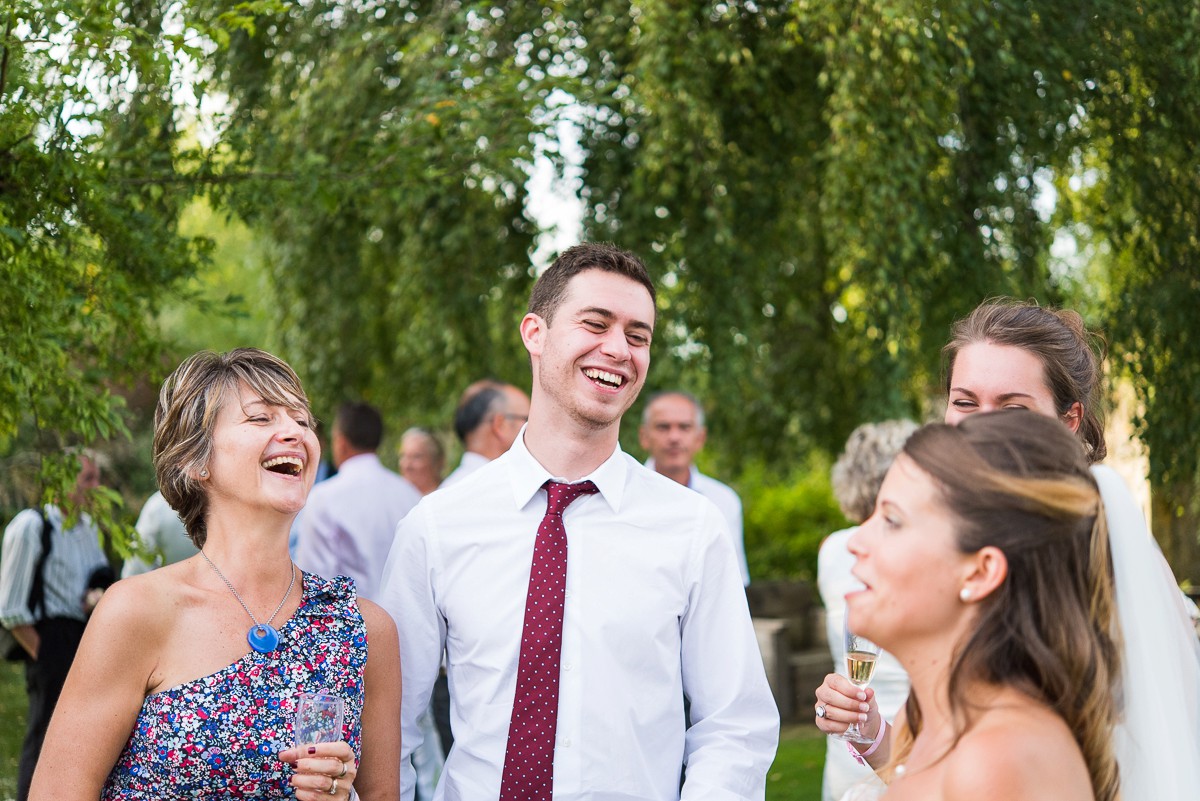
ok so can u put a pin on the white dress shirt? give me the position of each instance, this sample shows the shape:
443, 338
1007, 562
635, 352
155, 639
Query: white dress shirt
162, 534
654, 610
350, 519
74, 554
729, 503
471, 461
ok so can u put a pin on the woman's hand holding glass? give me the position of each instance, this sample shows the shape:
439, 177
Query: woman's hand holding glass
840, 702
324, 762
320, 769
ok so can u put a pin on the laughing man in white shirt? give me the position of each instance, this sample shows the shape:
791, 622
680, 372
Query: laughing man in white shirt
654, 607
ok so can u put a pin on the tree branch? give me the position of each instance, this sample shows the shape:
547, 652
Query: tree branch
4, 58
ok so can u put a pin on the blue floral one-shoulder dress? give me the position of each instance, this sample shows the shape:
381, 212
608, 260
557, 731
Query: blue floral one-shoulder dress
219, 736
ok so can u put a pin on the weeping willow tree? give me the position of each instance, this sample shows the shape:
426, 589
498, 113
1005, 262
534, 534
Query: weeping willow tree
1134, 202
821, 188
384, 149
94, 172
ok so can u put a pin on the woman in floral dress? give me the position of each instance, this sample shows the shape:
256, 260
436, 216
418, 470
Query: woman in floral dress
187, 680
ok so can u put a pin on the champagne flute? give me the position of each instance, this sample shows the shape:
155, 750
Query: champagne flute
861, 656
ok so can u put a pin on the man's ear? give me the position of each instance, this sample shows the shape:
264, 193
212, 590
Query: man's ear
533, 333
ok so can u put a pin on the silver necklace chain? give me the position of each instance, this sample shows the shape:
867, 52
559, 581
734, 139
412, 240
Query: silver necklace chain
228, 584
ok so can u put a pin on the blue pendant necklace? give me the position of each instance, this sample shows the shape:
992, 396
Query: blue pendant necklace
263, 637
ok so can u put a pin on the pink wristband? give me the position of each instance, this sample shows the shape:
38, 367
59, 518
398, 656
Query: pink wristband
861, 758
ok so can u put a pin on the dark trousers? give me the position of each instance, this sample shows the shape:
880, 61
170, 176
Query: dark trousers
43, 682
441, 712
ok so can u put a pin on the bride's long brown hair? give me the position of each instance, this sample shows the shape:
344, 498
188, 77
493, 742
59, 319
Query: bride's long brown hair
1020, 482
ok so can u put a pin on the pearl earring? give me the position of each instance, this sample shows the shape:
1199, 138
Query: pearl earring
964, 595
203, 474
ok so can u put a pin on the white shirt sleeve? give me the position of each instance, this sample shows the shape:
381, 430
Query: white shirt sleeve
22, 547
724, 680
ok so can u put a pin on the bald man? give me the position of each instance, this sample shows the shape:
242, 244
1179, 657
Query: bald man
673, 432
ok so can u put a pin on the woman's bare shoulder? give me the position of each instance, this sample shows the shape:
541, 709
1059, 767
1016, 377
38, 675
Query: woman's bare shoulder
379, 622
143, 599
150, 604
1017, 749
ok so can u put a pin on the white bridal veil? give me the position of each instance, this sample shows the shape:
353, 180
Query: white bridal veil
1158, 739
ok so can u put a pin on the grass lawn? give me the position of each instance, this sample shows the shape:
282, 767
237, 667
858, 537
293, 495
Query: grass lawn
795, 776
12, 724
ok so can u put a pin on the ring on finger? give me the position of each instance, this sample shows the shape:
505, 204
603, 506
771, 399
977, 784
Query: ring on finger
820, 710
345, 767
333, 787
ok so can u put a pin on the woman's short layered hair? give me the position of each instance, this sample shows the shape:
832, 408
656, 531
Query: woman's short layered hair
186, 417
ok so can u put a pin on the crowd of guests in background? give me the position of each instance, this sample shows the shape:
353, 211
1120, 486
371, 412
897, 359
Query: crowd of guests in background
1029, 624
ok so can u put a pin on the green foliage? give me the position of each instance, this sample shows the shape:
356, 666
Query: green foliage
12, 709
821, 188
696, 113
228, 302
1133, 199
383, 149
786, 518
92, 178
826, 187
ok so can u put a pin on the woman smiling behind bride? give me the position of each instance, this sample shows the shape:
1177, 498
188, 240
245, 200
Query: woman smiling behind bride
1008, 354
187, 679
986, 573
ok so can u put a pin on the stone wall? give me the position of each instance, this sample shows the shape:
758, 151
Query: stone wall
790, 623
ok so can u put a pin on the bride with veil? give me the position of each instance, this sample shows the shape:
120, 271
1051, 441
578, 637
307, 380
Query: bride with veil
1158, 738
1009, 354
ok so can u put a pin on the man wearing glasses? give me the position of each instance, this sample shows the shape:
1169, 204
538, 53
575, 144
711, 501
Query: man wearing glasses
488, 418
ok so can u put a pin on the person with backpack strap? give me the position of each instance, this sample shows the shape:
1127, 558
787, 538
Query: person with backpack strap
48, 628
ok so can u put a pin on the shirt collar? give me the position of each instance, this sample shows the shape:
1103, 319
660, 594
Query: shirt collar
527, 475
692, 472
359, 461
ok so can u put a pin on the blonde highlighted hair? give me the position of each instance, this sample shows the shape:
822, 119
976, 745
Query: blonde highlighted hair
1020, 482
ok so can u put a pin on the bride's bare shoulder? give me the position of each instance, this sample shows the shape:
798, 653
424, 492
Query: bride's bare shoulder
1018, 749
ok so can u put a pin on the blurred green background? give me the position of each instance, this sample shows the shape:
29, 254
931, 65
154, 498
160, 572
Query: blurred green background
369, 190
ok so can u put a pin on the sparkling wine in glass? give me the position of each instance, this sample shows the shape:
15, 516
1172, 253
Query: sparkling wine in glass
861, 657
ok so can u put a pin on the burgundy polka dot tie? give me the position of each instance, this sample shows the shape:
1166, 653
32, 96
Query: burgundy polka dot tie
529, 757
